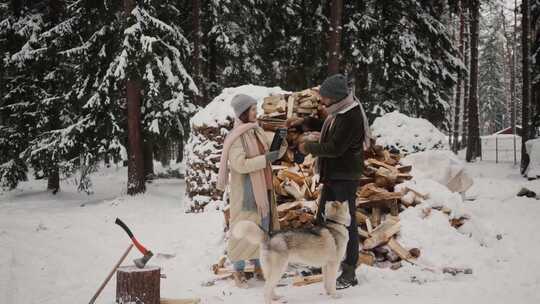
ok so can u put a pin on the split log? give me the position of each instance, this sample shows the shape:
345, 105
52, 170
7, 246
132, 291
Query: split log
366, 258
219, 264
382, 234
303, 281
403, 253
369, 226
286, 174
361, 218
363, 233
378, 164
225, 271
134, 285
283, 209
404, 169
293, 189
271, 104
376, 216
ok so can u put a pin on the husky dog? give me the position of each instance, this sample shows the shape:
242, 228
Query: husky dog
321, 246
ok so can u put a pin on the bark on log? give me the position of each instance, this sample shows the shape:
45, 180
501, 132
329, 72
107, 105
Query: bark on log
134, 285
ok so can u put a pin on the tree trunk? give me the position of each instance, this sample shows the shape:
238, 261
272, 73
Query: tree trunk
334, 46
134, 285
135, 153
180, 155
165, 156
466, 78
148, 155
196, 61
525, 102
473, 147
513, 79
457, 113
53, 180
135, 182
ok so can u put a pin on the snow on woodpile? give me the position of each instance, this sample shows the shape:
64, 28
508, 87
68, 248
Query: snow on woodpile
209, 127
407, 134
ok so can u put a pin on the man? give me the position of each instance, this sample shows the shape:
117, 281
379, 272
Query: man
340, 160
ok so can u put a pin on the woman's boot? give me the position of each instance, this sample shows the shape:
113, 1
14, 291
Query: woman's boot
240, 279
259, 276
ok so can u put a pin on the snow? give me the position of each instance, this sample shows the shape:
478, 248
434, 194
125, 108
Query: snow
407, 134
218, 111
443, 167
533, 150
64, 245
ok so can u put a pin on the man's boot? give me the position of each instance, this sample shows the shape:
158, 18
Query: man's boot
347, 277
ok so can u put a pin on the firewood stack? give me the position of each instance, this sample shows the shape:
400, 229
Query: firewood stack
297, 190
204, 152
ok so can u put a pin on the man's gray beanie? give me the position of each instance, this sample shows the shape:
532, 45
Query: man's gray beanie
241, 102
335, 87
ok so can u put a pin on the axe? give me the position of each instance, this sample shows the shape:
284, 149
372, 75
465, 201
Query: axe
147, 254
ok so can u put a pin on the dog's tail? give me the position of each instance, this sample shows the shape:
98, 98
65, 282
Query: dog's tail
250, 231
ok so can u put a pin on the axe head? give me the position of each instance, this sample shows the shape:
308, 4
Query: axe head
141, 262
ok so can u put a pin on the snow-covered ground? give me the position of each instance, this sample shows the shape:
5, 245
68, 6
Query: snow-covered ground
58, 249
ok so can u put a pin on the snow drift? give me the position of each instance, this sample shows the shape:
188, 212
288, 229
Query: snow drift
407, 134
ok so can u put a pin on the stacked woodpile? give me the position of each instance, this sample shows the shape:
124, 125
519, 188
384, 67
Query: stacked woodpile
203, 155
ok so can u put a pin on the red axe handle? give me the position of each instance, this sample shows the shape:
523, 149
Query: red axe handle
139, 246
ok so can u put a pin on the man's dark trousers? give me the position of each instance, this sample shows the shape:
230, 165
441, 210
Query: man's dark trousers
343, 190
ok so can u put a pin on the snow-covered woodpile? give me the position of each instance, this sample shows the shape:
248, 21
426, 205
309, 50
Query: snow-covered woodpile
385, 190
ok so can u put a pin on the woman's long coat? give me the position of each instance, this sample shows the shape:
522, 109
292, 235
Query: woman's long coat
242, 199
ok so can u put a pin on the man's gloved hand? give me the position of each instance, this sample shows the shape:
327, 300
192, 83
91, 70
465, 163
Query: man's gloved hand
298, 157
272, 156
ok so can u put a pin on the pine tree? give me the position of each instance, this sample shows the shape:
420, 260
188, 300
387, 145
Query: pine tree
473, 144
412, 63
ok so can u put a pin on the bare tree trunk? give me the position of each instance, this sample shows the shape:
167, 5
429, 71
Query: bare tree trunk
525, 102
334, 47
148, 156
53, 179
473, 146
180, 152
135, 154
457, 113
513, 78
466, 78
196, 60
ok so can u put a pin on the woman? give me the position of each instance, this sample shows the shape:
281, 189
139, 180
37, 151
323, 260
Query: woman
245, 153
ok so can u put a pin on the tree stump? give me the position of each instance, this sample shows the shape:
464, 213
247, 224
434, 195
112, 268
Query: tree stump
137, 286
